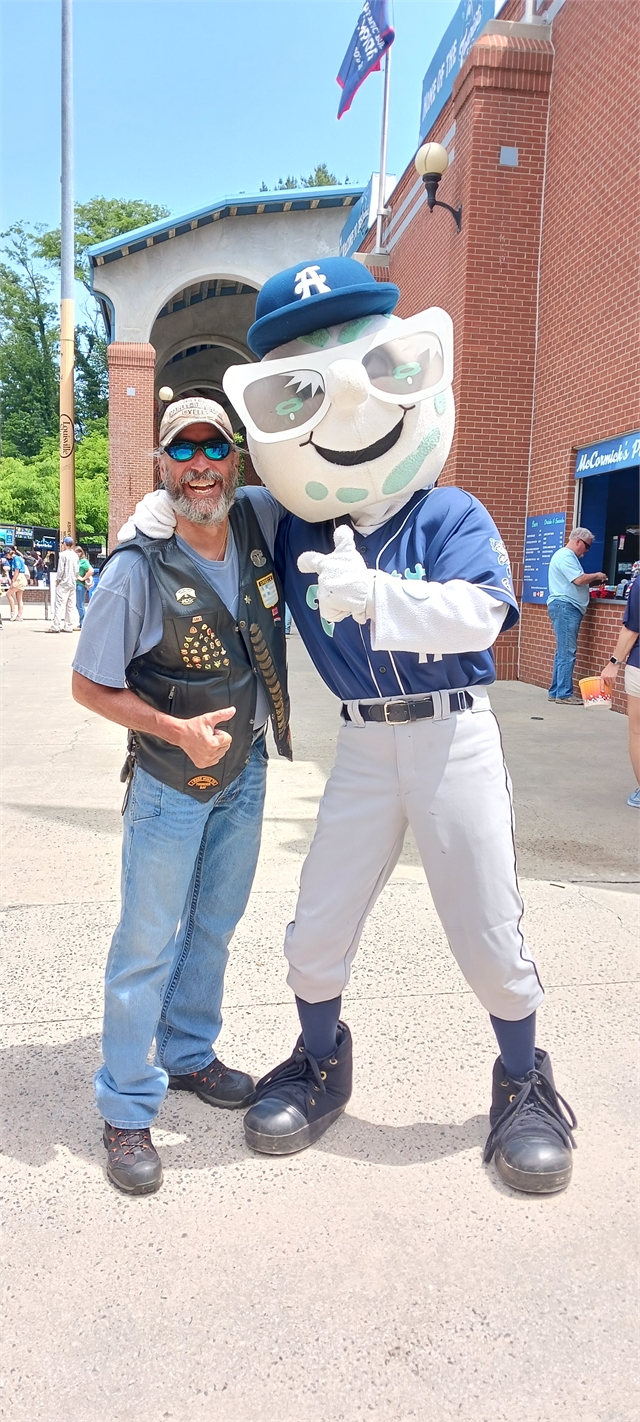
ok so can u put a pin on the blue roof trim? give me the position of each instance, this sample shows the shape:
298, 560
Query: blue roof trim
244, 205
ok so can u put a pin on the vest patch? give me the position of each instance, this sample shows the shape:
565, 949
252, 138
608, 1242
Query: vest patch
268, 590
257, 558
186, 596
202, 782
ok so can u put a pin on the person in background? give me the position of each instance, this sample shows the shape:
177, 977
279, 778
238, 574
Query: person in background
65, 588
39, 569
19, 581
567, 603
83, 582
30, 563
626, 653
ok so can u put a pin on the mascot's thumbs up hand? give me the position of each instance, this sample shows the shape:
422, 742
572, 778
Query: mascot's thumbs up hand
345, 583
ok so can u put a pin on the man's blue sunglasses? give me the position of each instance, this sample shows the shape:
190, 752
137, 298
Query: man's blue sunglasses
184, 449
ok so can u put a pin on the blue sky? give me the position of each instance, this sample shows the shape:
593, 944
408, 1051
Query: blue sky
182, 101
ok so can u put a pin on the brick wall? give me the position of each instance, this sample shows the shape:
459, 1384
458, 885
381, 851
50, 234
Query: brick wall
486, 277
597, 639
131, 429
587, 386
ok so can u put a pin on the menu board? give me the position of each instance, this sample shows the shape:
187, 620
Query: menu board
544, 535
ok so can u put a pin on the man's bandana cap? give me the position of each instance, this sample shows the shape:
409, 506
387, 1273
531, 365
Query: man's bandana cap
313, 295
194, 411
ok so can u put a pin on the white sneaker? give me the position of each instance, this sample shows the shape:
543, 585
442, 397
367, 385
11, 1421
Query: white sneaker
52, 629
634, 799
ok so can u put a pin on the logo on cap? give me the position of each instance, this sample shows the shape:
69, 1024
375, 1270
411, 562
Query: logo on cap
310, 277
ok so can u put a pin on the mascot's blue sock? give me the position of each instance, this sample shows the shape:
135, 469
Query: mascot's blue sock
319, 1022
517, 1043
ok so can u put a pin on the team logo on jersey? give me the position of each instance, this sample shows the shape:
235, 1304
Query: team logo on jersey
257, 557
203, 782
268, 590
499, 548
185, 596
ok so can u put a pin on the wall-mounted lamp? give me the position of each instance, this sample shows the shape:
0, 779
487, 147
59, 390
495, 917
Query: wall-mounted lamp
431, 161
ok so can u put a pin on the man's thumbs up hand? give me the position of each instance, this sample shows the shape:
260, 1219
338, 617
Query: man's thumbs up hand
345, 583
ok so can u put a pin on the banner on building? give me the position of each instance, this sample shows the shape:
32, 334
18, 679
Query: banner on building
621, 452
363, 215
372, 37
465, 28
543, 537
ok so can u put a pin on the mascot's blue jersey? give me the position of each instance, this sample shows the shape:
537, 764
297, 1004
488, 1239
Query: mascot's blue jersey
438, 535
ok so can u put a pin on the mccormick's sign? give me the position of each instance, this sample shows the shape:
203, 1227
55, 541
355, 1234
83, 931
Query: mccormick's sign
465, 28
621, 452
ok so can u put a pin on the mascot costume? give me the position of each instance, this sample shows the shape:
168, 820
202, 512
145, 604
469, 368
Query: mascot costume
399, 590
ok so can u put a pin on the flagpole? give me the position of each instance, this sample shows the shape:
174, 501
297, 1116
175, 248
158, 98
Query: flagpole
382, 183
67, 321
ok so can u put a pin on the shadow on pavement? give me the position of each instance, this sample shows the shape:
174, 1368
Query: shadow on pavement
47, 1100
78, 817
415, 1144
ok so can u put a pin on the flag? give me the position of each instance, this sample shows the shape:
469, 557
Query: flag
372, 37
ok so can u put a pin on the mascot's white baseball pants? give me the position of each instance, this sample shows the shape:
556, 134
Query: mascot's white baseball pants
446, 778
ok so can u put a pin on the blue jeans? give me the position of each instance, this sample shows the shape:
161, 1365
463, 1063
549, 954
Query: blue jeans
565, 620
80, 592
187, 871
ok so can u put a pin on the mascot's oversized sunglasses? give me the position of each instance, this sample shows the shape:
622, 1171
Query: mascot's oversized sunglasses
283, 399
183, 449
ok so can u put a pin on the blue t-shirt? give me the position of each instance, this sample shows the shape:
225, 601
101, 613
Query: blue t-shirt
17, 564
630, 620
563, 568
439, 535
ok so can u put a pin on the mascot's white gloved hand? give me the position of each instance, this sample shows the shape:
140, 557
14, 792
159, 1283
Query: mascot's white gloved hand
345, 583
153, 515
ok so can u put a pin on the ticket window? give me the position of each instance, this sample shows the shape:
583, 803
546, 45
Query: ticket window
608, 505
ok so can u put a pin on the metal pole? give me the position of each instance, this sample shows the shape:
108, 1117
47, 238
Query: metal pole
67, 343
383, 153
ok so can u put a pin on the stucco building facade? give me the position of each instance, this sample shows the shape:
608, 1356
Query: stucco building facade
178, 298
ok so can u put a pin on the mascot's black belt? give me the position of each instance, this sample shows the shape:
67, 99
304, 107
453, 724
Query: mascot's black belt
399, 713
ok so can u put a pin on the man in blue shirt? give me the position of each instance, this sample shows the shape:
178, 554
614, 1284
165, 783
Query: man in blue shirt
567, 603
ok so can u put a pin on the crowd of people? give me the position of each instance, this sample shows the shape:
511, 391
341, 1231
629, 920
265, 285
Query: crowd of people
74, 582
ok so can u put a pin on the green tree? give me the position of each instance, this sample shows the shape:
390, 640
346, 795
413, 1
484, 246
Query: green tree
28, 346
92, 374
30, 488
96, 221
320, 177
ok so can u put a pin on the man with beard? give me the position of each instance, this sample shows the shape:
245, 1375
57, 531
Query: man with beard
183, 635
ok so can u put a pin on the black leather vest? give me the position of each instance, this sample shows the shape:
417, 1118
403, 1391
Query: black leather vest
207, 659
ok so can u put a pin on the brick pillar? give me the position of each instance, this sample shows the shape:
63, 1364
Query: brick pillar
131, 428
485, 277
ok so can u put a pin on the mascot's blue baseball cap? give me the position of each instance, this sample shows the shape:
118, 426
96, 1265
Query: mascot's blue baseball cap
312, 295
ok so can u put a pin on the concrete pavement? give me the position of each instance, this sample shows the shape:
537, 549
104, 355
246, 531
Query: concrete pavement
384, 1274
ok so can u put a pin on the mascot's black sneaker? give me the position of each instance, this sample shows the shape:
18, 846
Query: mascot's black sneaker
216, 1084
530, 1132
294, 1104
133, 1163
